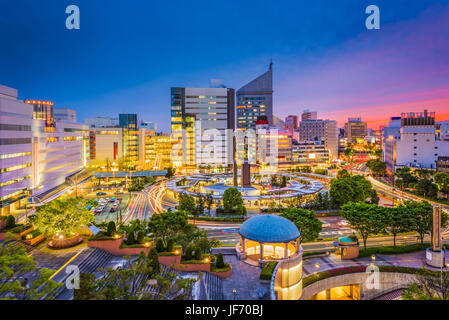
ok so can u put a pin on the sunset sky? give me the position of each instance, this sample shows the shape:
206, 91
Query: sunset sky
128, 54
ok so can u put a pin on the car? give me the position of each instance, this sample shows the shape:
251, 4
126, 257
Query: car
112, 199
113, 209
106, 199
101, 193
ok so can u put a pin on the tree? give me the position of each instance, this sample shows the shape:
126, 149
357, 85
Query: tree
153, 261
429, 285
378, 167
10, 222
220, 262
232, 198
209, 202
367, 219
399, 220
442, 180
15, 264
130, 283
422, 217
349, 153
404, 178
308, 224
374, 197
426, 188
111, 228
186, 203
343, 173
350, 189
200, 205
167, 225
63, 215
170, 172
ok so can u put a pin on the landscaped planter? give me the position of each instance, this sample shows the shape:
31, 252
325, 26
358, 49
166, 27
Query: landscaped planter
190, 267
224, 274
24, 232
57, 243
20, 234
34, 241
170, 260
113, 247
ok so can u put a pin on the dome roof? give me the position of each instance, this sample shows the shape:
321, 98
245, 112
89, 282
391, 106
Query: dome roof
269, 228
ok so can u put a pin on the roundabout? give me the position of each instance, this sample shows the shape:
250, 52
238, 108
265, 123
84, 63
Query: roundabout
261, 191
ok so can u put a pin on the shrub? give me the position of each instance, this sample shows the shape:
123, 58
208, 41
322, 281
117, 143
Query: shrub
189, 252
153, 261
10, 222
111, 228
130, 238
198, 254
170, 244
140, 237
267, 270
160, 245
220, 262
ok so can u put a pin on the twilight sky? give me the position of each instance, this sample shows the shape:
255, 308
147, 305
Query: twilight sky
128, 54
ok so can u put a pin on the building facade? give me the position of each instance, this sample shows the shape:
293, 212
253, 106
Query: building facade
255, 100
355, 130
324, 130
309, 152
418, 145
16, 160
202, 127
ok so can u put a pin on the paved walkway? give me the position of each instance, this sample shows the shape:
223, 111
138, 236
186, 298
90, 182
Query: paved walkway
244, 279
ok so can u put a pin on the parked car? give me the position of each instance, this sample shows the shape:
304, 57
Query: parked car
113, 209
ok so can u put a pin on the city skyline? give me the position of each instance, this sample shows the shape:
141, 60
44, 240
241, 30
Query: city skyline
327, 63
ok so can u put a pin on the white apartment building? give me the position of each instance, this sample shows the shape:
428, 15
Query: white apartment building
325, 130
15, 150
418, 144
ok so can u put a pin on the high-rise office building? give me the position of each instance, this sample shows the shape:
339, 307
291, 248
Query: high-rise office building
130, 135
202, 126
254, 100
355, 130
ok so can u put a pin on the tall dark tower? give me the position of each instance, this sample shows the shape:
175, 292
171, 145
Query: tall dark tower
246, 170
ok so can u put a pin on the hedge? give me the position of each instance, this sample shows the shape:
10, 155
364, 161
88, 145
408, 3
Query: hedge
392, 250
267, 270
